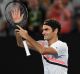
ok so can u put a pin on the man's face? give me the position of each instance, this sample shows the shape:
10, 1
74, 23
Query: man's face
47, 32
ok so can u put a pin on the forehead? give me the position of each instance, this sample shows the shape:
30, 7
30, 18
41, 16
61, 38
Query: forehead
46, 26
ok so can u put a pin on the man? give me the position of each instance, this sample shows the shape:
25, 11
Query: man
55, 54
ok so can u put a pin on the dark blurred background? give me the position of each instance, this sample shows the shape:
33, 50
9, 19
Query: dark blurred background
13, 59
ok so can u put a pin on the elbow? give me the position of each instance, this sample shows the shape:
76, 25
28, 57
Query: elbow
42, 52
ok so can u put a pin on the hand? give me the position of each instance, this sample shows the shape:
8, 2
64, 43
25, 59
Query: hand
23, 33
16, 15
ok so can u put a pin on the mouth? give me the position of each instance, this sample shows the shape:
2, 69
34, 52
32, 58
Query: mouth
45, 37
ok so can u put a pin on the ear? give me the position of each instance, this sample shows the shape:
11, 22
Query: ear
56, 31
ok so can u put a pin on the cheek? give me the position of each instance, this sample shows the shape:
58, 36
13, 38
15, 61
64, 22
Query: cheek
49, 36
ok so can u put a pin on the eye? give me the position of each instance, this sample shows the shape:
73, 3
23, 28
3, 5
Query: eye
46, 29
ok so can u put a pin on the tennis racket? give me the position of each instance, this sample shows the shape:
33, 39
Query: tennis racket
16, 13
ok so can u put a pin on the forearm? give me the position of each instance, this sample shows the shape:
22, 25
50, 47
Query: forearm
19, 40
40, 48
35, 45
20, 43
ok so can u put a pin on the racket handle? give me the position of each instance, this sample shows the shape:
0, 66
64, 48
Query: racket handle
26, 48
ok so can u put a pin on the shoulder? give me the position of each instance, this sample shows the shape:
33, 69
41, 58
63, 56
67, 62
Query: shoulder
60, 44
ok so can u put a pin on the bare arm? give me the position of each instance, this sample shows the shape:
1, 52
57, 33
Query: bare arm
40, 48
19, 41
35, 45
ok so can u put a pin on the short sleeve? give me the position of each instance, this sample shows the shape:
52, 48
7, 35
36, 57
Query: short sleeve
61, 48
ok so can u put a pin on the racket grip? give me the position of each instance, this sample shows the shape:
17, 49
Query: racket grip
26, 48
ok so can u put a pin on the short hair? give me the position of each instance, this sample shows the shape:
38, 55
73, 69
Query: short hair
53, 24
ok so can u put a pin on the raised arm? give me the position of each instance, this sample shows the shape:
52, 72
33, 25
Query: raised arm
35, 45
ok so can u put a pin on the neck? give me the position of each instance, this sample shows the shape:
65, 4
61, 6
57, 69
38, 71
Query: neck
52, 40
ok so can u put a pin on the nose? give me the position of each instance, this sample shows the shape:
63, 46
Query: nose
43, 32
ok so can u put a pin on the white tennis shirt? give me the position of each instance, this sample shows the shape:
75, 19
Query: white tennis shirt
56, 63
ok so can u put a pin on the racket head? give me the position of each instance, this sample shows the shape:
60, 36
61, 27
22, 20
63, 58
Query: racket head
23, 10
